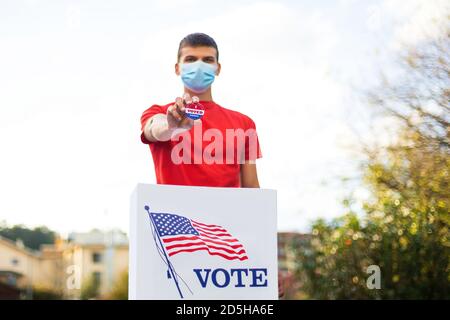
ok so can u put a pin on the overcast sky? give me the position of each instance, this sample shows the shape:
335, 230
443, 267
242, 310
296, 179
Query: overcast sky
75, 77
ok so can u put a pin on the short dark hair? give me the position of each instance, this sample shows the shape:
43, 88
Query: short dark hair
197, 40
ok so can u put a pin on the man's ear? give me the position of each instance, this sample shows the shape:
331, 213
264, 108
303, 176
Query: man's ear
177, 69
219, 67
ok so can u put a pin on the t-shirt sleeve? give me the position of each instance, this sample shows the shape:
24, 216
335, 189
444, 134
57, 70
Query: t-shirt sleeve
252, 148
147, 114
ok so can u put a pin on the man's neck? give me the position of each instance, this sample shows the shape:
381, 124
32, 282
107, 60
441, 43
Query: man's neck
204, 96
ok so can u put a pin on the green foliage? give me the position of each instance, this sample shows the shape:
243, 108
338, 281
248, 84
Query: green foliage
120, 288
32, 238
40, 293
405, 224
90, 288
333, 265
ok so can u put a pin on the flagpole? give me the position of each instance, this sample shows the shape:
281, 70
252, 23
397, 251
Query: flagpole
164, 251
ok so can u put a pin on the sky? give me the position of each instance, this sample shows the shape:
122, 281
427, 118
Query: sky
75, 77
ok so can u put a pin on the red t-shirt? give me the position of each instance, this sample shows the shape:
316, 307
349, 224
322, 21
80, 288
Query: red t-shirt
209, 154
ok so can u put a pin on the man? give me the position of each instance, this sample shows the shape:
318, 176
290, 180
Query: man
184, 151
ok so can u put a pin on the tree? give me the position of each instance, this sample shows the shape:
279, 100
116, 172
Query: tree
32, 238
405, 228
42, 293
120, 288
90, 288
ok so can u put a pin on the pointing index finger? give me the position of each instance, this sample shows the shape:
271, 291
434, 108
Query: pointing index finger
187, 98
179, 104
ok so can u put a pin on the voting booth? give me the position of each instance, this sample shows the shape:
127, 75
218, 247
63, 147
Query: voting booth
203, 243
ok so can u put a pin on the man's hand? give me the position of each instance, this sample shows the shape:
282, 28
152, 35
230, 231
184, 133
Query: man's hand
176, 115
161, 127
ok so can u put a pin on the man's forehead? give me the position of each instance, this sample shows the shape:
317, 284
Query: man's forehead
198, 51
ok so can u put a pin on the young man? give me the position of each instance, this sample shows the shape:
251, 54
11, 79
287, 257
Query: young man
218, 150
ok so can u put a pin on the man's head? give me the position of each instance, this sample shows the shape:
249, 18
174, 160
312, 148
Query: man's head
196, 40
197, 47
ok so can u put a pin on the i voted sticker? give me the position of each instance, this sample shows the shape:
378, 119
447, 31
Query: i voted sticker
194, 111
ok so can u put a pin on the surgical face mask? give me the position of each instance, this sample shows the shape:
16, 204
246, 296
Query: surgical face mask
198, 76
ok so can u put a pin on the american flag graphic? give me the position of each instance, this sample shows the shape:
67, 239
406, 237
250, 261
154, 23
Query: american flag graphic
180, 234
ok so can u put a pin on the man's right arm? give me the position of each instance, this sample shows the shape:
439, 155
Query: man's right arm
157, 128
161, 127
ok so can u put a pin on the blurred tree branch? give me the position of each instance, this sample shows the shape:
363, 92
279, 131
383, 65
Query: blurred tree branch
405, 229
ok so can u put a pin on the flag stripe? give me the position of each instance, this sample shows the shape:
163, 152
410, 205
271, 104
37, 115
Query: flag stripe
216, 242
168, 240
216, 236
206, 225
214, 246
219, 232
231, 252
190, 249
211, 253
222, 243
208, 228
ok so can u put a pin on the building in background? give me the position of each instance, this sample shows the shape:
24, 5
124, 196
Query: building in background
24, 269
287, 263
65, 266
96, 255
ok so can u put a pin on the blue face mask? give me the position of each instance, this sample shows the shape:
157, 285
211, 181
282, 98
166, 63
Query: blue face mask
198, 76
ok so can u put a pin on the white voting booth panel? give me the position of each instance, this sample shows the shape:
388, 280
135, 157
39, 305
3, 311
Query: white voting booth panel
203, 243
